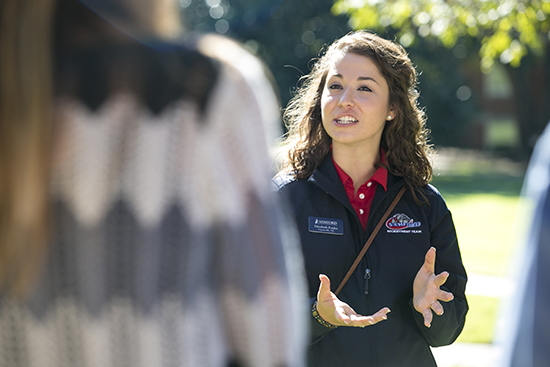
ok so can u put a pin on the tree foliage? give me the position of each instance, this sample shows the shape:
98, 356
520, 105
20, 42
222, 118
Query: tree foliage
515, 33
507, 29
286, 34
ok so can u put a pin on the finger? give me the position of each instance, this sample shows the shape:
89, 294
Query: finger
345, 314
441, 278
324, 288
381, 315
343, 318
429, 260
362, 321
437, 307
324, 280
427, 313
445, 296
356, 320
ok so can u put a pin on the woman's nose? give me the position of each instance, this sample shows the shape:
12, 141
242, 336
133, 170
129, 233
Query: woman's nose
346, 99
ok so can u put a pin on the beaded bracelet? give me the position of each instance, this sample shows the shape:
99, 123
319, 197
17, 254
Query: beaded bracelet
318, 317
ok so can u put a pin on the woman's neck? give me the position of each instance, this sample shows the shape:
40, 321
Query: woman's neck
359, 162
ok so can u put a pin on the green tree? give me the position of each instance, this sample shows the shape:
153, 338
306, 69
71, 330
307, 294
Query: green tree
512, 32
288, 34
285, 34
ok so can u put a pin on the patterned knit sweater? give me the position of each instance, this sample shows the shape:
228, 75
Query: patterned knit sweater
168, 247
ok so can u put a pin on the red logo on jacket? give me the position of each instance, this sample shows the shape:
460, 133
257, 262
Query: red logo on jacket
401, 221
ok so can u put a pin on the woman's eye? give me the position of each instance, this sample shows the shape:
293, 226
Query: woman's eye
365, 89
334, 86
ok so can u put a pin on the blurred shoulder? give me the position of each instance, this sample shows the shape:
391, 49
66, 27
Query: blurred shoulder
296, 190
249, 78
282, 181
232, 54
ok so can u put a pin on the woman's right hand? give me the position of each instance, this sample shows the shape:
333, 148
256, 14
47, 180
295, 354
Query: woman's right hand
339, 313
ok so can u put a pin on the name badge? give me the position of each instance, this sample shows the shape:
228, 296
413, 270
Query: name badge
326, 225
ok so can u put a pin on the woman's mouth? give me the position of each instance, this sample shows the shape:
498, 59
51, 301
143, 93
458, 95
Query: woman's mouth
346, 120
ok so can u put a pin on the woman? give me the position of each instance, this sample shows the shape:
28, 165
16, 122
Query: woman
137, 221
356, 137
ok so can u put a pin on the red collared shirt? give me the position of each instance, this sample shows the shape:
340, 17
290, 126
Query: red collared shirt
362, 202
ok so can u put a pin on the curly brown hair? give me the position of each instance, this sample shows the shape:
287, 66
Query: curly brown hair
404, 139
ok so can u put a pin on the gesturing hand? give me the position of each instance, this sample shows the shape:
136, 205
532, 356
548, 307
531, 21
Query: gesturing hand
426, 292
339, 313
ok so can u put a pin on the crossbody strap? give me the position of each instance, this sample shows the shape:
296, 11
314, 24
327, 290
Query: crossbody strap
369, 241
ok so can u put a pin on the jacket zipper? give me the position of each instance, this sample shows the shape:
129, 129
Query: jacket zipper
367, 277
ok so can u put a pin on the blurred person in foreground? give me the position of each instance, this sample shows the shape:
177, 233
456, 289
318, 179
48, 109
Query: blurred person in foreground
137, 222
357, 141
526, 327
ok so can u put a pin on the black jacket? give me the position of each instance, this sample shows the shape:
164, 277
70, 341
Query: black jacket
332, 236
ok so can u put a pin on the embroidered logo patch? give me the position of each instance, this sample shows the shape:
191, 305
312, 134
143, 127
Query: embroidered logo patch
402, 223
326, 225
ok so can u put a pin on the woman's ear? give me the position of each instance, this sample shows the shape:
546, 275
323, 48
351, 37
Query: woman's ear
391, 114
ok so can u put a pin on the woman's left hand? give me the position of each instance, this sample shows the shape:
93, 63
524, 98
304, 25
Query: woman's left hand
426, 292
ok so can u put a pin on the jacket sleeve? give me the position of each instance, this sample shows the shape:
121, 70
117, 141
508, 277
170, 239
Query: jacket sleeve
445, 328
317, 331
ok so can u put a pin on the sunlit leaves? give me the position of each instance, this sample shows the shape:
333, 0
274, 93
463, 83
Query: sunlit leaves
508, 30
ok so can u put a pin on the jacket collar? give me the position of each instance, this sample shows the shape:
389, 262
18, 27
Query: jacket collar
325, 174
326, 177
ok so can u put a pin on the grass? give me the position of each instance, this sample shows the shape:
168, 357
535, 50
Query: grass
480, 321
483, 201
483, 196
485, 225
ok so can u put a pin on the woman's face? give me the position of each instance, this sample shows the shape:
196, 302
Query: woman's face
355, 101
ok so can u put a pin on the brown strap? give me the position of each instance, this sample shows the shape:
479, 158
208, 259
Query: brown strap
369, 241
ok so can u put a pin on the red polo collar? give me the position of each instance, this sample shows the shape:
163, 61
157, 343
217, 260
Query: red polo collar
365, 194
380, 176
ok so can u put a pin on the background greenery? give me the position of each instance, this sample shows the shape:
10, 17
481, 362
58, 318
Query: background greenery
447, 40
483, 194
514, 34
287, 35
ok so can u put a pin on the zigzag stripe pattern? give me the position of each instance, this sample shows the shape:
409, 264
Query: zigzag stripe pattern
169, 248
